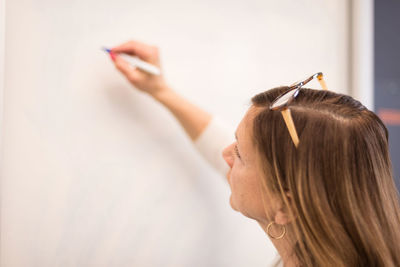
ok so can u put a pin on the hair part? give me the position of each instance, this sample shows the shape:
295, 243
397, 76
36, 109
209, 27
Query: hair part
339, 178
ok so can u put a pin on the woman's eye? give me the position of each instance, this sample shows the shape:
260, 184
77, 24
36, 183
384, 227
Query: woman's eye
237, 151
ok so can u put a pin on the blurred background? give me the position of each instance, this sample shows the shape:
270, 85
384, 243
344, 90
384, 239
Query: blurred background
95, 173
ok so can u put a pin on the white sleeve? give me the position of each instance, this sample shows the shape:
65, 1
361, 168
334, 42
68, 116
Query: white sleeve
215, 137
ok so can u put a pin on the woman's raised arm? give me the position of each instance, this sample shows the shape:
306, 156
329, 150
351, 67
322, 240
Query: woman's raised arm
209, 134
192, 118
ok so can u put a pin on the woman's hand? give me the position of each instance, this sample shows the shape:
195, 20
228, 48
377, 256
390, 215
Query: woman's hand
192, 118
146, 82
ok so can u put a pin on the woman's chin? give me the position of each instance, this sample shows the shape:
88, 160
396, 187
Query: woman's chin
232, 203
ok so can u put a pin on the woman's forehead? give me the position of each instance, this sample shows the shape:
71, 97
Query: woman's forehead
247, 121
244, 129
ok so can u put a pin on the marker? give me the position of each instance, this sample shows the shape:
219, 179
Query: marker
137, 62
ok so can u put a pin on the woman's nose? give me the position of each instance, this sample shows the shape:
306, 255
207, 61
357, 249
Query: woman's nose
228, 155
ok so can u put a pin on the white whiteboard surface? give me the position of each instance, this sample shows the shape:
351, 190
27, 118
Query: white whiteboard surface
94, 173
362, 52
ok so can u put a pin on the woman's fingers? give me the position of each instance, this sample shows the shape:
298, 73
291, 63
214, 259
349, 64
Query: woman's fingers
142, 80
130, 72
130, 47
142, 50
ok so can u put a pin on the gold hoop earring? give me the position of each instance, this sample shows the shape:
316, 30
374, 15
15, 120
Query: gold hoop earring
276, 237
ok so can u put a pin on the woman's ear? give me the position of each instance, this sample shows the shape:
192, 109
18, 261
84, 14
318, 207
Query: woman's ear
283, 215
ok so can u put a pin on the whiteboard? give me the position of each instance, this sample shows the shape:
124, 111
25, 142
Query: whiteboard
95, 173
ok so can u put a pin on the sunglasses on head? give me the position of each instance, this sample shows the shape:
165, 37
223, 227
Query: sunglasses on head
283, 101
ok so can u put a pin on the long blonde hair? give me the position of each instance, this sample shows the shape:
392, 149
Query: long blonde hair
339, 178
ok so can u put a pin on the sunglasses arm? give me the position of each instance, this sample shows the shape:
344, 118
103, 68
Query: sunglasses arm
290, 125
323, 84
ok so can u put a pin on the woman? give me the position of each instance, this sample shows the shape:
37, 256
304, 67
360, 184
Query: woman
311, 167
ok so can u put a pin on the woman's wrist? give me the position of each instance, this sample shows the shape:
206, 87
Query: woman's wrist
163, 94
193, 118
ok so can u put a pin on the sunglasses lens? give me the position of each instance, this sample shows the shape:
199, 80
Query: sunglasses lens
283, 99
